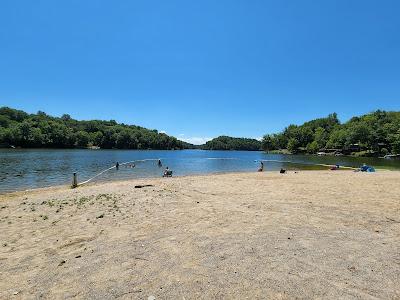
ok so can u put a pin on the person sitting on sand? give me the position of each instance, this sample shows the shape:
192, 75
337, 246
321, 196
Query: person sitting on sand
282, 171
167, 172
261, 168
335, 167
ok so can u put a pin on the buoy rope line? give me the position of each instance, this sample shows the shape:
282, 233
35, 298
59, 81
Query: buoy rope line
114, 167
215, 158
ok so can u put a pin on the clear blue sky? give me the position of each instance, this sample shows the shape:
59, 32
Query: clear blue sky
199, 69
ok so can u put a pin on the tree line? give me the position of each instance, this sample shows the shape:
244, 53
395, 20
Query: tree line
376, 133
20, 129
231, 143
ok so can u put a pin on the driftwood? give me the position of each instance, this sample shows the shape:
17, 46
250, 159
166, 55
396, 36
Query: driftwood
139, 186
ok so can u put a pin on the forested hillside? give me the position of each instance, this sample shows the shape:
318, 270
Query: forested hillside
20, 129
231, 143
377, 133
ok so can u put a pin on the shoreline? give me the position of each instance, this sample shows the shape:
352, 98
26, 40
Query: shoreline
273, 152
97, 183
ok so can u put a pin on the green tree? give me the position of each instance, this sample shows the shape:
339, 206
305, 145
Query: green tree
293, 145
97, 138
82, 139
337, 139
320, 137
396, 144
267, 143
312, 147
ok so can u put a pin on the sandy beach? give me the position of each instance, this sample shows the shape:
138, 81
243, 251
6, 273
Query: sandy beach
311, 234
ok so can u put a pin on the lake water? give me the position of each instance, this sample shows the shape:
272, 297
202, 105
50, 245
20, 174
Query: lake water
32, 168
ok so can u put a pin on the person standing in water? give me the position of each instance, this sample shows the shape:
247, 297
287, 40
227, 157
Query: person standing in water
261, 167
117, 165
159, 163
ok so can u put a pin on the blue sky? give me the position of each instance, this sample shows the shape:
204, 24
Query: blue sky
199, 69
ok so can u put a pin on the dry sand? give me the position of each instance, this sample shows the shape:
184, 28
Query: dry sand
314, 234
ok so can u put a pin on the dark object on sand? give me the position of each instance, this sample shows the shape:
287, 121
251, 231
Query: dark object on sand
61, 263
139, 186
282, 171
366, 168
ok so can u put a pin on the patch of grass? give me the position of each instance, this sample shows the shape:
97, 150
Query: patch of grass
104, 197
82, 201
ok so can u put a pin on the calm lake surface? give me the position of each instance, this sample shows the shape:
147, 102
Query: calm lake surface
23, 169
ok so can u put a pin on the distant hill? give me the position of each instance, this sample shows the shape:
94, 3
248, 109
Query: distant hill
375, 134
232, 143
20, 129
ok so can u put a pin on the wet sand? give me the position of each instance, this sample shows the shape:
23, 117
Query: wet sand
312, 234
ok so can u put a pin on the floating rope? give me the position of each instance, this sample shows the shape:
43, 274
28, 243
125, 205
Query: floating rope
113, 167
224, 158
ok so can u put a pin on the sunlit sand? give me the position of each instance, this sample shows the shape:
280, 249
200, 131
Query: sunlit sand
326, 234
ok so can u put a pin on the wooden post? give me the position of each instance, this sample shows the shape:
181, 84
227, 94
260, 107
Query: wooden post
74, 181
